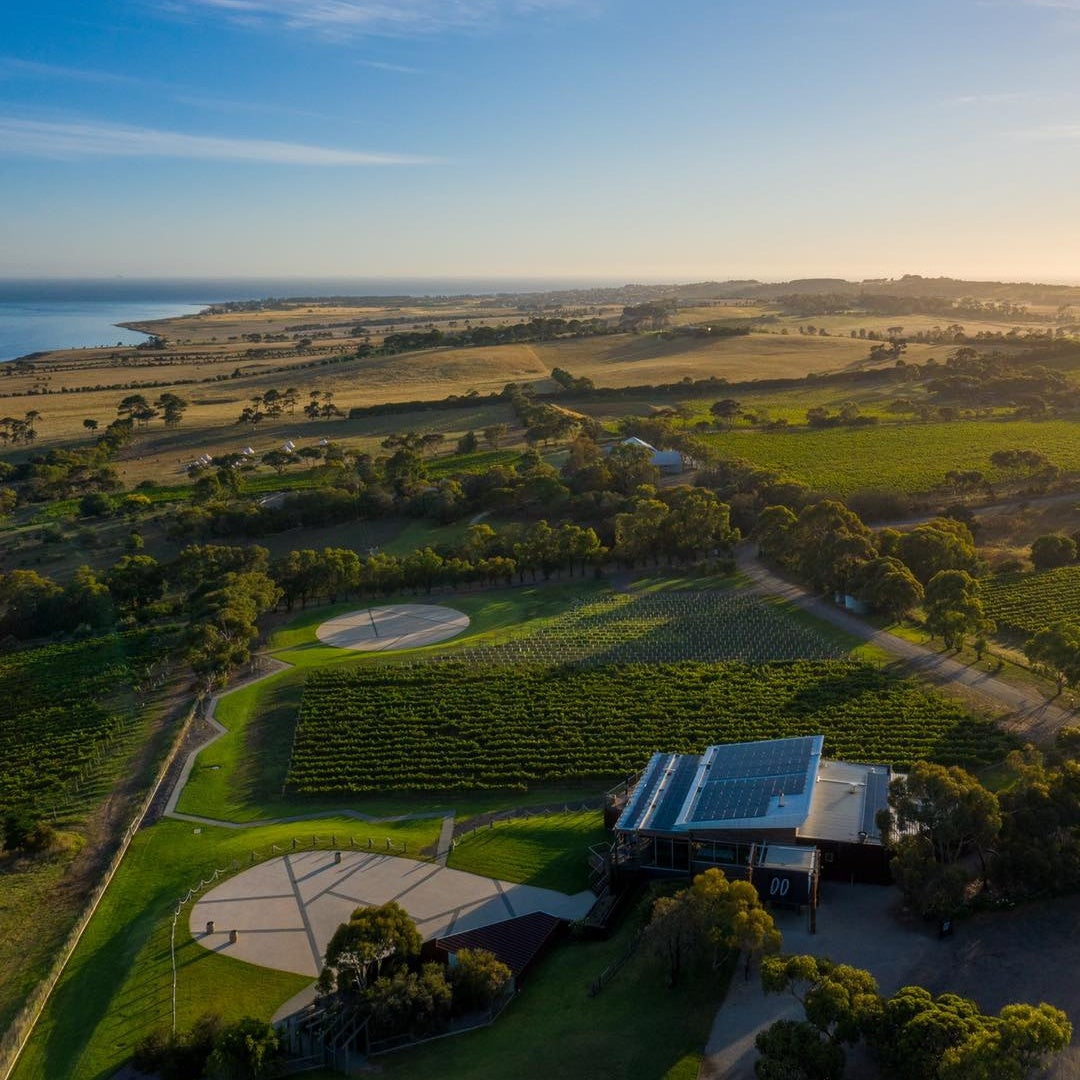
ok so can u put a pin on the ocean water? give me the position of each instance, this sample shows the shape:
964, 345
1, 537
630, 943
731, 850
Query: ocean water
36, 315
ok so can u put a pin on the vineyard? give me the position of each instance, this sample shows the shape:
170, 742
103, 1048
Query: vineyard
907, 457
449, 725
1028, 602
67, 707
662, 628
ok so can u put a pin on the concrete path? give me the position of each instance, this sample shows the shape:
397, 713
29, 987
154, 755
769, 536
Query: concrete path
1030, 713
446, 840
286, 910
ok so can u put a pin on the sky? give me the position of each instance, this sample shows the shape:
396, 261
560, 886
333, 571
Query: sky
624, 140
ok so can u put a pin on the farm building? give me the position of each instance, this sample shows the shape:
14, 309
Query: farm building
669, 462
770, 811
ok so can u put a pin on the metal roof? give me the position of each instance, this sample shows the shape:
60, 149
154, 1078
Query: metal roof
845, 802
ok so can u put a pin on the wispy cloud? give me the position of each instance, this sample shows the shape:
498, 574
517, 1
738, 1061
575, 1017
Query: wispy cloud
993, 98
81, 140
382, 65
349, 18
15, 66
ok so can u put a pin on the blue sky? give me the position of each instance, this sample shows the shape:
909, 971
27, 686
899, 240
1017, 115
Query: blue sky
621, 139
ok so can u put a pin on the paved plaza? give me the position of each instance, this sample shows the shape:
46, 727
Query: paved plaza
394, 626
286, 910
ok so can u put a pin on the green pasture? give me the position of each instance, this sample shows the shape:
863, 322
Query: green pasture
118, 985
910, 458
548, 851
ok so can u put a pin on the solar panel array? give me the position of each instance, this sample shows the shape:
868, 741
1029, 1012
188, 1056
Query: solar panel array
744, 777
667, 812
877, 798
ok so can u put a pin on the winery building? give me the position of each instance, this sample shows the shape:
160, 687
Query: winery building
776, 812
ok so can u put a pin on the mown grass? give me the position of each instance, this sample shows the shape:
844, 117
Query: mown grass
636, 1027
908, 458
118, 985
548, 851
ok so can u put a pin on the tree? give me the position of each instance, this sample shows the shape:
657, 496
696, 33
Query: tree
279, 460
733, 916
410, 1002
1056, 650
172, 408
773, 531
939, 815
494, 435
713, 910
887, 585
839, 1000
135, 580
673, 933
8, 501
478, 977
727, 410
1053, 550
468, 443
920, 1037
374, 937
90, 425
954, 609
941, 544
829, 543
246, 1050
796, 1050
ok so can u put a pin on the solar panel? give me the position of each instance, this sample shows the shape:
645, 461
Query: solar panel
742, 778
678, 786
877, 798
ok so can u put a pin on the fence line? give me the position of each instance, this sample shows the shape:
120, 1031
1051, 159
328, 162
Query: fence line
18, 1034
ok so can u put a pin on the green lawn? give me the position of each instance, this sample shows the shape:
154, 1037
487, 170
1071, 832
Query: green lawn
118, 984
635, 1027
548, 851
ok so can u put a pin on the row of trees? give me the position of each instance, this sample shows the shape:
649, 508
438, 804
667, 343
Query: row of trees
912, 1035
894, 572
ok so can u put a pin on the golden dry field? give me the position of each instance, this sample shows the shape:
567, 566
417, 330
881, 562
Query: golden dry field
218, 387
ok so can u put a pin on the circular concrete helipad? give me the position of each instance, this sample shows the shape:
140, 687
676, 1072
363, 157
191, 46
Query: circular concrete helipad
396, 626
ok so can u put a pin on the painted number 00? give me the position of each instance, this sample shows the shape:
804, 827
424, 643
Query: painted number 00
779, 886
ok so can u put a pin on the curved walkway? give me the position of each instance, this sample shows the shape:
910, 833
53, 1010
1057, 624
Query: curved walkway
1029, 713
